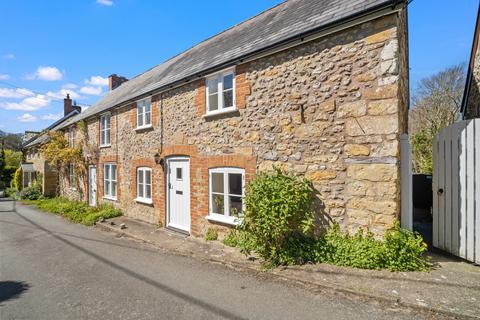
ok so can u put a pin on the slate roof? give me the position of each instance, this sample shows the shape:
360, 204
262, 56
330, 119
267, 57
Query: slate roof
276, 25
43, 136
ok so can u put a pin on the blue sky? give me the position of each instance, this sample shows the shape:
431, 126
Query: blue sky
48, 48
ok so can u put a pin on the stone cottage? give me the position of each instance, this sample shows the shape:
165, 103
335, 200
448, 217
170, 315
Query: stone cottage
35, 166
316, 87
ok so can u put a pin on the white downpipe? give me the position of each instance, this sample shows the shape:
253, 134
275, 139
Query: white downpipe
406, 195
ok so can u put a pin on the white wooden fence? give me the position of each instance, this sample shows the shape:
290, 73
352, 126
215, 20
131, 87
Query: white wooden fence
456, 190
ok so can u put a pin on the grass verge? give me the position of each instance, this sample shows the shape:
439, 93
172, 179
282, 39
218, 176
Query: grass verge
75, 211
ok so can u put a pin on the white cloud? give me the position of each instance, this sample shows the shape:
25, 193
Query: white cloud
8, 56
4, 76
45, 73
27, 117
52, 116
92, 91
62, 93
28, 104
69, 86
97, 81
105, 2
15, 93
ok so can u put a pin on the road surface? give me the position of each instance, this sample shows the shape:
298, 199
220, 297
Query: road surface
53, 269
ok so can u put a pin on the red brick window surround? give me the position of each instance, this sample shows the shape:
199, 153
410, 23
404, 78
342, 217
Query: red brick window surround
110, 181
144, 113
214, 93
144, 185
220, 92
102, 164
105, 130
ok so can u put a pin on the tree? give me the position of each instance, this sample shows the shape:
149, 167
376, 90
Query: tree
436, 104
2, 159
12, 158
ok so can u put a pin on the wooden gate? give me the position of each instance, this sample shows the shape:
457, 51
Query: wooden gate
456, 190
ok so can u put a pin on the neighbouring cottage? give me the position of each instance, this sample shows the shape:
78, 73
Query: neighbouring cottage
35, 166
471, 95
318, 88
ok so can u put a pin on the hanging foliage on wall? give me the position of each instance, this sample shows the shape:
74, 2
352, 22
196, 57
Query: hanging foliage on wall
60, 154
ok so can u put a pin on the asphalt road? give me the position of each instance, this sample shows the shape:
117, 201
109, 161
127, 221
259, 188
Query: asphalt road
53, 269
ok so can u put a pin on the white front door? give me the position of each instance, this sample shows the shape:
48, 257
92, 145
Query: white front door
178, 190
92, 186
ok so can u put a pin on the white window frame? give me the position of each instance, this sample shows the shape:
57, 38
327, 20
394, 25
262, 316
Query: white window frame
225, 217
108, 192
105, 130
219, 77
143, 187
72, 176
71, 136
141, 112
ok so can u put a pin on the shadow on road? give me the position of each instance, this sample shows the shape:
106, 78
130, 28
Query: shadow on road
10, 290
190, 299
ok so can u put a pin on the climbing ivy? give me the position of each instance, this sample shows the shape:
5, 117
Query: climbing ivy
60, 154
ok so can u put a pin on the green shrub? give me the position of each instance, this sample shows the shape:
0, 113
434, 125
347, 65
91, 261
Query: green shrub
278, 222
17, 179
77, 211
11, 192
7, 174
400, 250
404, 251
211, 234
231, 239
32, 192
277, 208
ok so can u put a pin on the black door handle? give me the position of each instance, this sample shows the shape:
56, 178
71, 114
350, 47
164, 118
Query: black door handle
440, 191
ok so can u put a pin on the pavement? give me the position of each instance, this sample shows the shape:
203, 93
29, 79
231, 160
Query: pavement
51, 268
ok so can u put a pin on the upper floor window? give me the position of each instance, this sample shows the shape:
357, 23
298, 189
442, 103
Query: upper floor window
144, 113
105, 130
110, 180
144, 185
226, 193
71, 137
220, 92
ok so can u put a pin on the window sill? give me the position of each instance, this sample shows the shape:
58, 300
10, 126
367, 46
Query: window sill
143, 128
233, 221
221, 112
105, 146
144, 201
110, 198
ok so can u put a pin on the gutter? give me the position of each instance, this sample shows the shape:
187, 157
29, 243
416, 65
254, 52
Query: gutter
389, 7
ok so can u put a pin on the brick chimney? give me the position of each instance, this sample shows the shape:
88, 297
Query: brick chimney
115, 81
68, 106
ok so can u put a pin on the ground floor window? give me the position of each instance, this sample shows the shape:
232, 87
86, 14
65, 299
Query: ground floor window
110, 180
28, 178
226, 193
71, 175
144, 185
